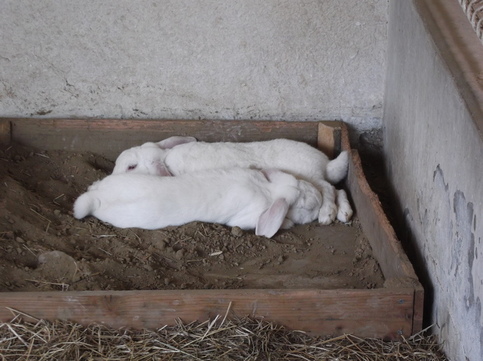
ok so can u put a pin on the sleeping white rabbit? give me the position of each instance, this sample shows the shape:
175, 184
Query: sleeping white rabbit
250, 199
178, 155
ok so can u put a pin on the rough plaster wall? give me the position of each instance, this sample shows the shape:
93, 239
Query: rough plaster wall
434, 157
284, 60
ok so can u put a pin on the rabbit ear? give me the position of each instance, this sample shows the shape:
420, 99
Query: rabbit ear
172, 142
271, 220
161, 169
269, 173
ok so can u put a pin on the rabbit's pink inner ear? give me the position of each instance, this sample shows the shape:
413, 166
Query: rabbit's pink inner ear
266, 173
271, 220
172, 142
162, 170
270, 173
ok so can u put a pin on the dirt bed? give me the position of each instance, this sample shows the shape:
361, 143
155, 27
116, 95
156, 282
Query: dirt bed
42, 247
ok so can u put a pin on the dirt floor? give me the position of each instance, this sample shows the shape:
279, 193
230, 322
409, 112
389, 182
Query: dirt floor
42, 247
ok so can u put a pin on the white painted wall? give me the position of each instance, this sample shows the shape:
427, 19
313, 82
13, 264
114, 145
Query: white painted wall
274, 59
434, 154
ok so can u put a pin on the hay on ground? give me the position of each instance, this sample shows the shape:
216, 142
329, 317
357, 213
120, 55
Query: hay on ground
24, 338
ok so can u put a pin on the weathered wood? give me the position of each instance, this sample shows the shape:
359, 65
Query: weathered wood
325, 139
111, 136
388, 312
418, 308
5, 131
344, 137
367, 313
395, 265
377, 228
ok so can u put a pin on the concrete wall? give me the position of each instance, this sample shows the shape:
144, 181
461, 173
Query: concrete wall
288, 60
434, 150
284, 60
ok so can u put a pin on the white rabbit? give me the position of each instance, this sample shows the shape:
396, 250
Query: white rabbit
178, 155
247, 198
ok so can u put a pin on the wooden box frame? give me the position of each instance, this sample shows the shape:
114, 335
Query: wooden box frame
387, 312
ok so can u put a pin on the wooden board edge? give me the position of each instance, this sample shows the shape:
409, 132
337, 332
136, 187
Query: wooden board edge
332, 137
418, 311
135, 124
377, 313
344, 137
384, 242
5, 131
325, 139
109, 137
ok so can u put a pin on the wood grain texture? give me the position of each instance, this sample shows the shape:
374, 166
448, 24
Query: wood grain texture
5, 131
418, 309
344, 137
325, 139
109, 137
395, 265
377, 228
367, 313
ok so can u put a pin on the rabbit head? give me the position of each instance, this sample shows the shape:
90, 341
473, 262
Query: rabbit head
306, 207
144, 159
304, 199
149, 157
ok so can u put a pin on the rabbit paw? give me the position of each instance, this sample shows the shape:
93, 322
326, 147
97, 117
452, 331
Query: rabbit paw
287, 224
344, 214
327, 214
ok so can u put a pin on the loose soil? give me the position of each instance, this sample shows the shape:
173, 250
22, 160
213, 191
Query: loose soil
43, 248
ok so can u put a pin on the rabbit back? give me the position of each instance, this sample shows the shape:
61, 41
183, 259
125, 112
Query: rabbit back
177, 155
297, 158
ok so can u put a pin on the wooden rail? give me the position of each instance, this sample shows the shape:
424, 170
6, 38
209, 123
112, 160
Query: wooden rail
387, 312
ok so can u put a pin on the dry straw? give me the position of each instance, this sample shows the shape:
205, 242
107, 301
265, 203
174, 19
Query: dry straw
25, 338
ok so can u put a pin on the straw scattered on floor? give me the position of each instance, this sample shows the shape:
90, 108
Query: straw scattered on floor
24, 338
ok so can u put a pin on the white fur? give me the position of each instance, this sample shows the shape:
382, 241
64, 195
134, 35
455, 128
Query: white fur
247, 198
179, 155
344, 209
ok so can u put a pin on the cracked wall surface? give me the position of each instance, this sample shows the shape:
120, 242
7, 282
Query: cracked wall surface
434, 153
283, 60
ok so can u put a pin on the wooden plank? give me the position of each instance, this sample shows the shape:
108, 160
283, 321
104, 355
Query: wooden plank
110, 136
5, 131
367, 313
344, 137
387, 249
329, 139
325, 139
418, 309
385, 245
